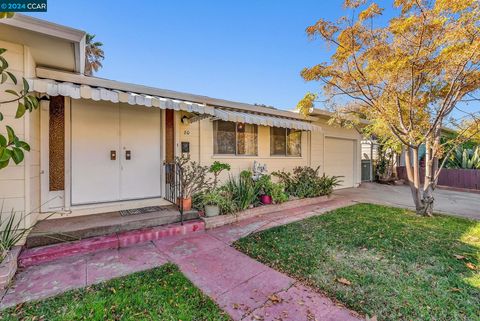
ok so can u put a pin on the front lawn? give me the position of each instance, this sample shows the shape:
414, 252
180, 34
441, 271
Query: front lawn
381, 261
159, 294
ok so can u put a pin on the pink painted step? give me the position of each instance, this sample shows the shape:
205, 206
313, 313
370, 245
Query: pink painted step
39, 255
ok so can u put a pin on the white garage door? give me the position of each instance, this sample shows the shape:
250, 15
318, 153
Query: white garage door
340, 160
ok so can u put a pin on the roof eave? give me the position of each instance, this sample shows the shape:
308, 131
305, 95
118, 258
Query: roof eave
328, 114
42, 72
75, 36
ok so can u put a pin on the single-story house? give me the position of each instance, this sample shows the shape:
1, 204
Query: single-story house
100, 145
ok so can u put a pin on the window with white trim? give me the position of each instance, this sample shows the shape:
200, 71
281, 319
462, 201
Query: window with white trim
231, 138
285, 142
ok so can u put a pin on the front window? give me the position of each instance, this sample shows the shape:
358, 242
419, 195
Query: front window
285, 142
234, 138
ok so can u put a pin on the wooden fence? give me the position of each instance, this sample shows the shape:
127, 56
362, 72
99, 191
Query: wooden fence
451, 177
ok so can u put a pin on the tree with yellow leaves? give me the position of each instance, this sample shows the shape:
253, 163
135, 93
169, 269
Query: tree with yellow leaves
405, 77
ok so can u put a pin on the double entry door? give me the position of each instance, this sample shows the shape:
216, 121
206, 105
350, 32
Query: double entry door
116, 152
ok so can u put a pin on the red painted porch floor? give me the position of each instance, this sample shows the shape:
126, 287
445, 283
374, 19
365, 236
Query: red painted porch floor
240, 285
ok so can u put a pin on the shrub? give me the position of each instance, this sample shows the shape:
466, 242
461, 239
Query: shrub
194, 176
213, 198
220, 199
265, 186
327, 183
278, 193
242, 191
197, 200
216, 168
287, 180
305, 182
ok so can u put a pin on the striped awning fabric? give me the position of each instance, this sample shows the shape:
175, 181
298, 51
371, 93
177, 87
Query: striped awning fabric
81, 91
75, 91
264, 120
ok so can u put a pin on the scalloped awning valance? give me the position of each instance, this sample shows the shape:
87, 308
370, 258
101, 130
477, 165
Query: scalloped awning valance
82, 91
264, 120
75, 91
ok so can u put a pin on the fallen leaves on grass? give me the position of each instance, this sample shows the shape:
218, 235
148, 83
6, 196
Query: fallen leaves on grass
470, 266
344, 281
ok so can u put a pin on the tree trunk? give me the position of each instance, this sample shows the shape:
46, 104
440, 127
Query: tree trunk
429, 184
413, 175
427, 201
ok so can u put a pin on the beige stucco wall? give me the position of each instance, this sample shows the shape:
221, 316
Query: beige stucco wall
200, 136
19, 184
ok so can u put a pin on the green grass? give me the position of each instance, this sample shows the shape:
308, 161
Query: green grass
163, 293
401, 266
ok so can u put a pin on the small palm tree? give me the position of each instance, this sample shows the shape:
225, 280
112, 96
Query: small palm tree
93, 55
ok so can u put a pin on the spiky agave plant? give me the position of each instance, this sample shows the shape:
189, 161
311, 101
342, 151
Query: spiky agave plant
465, 158
11, 231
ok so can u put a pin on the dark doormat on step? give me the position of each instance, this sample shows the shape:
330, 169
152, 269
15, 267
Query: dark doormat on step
143, 210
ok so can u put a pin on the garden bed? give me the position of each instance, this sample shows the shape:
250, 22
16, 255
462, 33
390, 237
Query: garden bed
216, 221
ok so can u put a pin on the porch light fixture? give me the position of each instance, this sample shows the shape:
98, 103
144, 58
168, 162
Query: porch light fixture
185, 120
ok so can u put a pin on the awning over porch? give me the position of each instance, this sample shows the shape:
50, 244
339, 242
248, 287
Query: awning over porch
264, 120
75, 91
83, 91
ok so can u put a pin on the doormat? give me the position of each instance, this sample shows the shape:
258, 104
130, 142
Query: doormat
143, 210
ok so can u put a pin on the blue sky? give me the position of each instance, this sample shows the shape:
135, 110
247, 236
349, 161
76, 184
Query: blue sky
247, 51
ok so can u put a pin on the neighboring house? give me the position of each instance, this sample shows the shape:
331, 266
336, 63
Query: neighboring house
369, 158
422, 150
100, 145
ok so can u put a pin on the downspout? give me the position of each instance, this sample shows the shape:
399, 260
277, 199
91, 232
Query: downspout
371, 160
199, 142
310, 148
323, 156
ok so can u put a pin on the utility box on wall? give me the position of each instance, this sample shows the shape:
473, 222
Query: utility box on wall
185, 147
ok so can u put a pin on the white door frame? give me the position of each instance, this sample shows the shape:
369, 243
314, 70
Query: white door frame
49, 200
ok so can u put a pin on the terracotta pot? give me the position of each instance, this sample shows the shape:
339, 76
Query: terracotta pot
187, 203
266, 199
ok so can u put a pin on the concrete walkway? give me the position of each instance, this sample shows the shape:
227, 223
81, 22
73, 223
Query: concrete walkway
243, 287
462, 204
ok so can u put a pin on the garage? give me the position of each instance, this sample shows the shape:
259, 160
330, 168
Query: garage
340, 159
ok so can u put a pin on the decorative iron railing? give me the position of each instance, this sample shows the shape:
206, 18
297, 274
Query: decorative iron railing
173, 186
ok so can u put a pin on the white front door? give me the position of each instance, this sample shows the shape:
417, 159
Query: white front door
140, 152
95, 146
116, 152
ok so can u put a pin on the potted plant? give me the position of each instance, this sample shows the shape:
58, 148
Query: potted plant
193, 179
265, 188
212, 201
